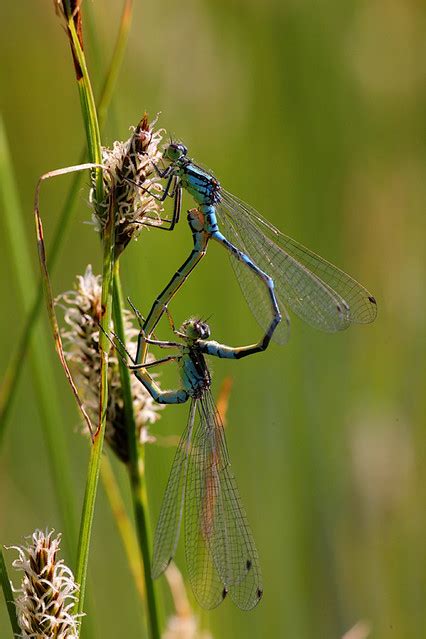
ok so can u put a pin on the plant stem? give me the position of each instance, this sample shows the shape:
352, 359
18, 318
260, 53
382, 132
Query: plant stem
140, 506
43, 374
136, 470
94, 149
96, 449
124, 525
8, 596
15, 367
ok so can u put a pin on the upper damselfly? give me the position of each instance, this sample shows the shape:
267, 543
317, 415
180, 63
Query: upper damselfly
274, 271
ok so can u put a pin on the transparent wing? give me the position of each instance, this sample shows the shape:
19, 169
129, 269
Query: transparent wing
168, 527
254, 290
220, 549
318, 292
206, 583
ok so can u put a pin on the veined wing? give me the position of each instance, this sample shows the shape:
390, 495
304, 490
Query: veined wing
167, 531
220, 549
253, 288
318, 292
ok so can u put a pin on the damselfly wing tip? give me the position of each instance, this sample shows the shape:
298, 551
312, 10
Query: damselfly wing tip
224, 592
345, 307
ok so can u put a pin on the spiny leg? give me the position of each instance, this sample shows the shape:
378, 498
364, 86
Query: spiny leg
177, 206
178, 396
178, 279
172, 323
162, 397
237, 353
175, 193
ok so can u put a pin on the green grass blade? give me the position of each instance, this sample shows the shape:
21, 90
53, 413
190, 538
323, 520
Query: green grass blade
96, 449
43, 374
139, 492
15, 367
136, 470
8, 595
124, 526
116, 61
12, 376
94, 150
48, 288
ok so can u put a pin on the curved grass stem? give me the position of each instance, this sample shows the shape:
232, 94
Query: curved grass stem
90, 120
42, 368
124, 526
12, 376
8, 596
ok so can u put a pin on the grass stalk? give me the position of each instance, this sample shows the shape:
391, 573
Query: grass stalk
43, 373
136, 471
8, 596
91, 124
96, 448
11, 379
109, 274
124, 526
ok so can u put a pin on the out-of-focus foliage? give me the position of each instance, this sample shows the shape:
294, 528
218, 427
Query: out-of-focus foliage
314, 112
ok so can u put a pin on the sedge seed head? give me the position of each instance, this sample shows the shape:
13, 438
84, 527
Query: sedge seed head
132, 181
82, 314
48, 590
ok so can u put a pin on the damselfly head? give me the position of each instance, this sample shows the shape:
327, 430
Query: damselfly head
194, 329
174, 151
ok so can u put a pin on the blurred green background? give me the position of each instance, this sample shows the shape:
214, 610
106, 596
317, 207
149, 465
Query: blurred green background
315, 114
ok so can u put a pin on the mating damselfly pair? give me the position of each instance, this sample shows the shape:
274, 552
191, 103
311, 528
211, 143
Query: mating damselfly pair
275, 272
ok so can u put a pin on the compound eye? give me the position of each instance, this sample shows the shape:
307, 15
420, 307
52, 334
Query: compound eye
172, 152
206, 330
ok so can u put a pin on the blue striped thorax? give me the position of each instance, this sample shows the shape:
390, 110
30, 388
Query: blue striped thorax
200, 184
194, 373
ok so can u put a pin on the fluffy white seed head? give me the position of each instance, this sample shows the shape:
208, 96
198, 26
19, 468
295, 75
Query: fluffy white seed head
82, 313
48, 590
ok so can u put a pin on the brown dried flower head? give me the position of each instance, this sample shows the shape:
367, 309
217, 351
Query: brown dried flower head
131, 179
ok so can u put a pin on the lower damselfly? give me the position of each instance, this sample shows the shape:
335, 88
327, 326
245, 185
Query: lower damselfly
201, 491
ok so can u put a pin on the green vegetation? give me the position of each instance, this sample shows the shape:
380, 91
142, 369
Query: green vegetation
314, 113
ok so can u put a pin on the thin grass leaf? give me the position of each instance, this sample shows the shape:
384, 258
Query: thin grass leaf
89, 114
136, 470
116, 61
96, 449
8, 595
43, 375
93, 140
124, 526
14, 369
73, 18
48, 287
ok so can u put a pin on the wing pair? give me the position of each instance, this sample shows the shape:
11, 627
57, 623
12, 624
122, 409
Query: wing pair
315, 290
220, 551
